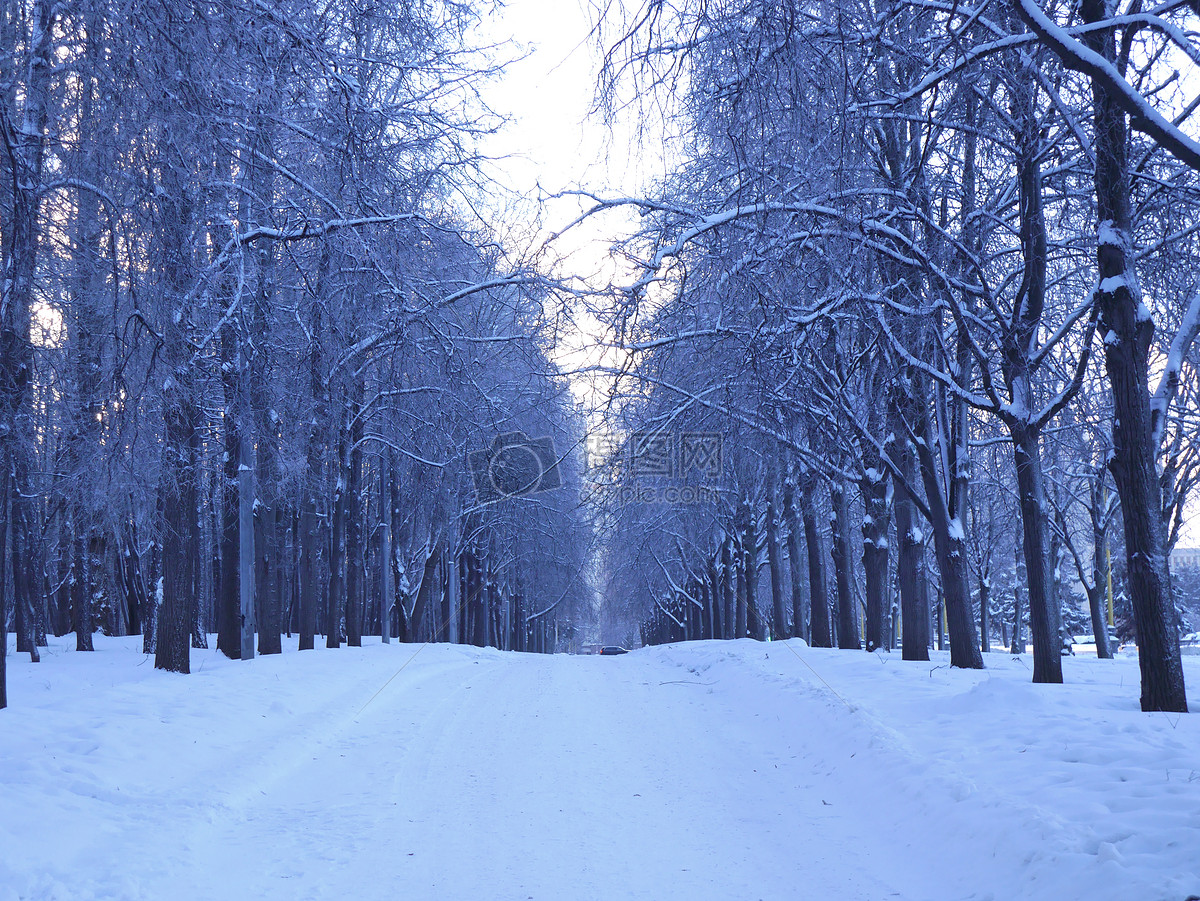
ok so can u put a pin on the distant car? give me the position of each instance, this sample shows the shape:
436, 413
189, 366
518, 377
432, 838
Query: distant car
609, 650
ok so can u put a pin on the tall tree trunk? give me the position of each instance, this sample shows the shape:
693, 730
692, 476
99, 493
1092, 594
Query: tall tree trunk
403, 629
86, 333
84, 573
518, 614
914, 599
799, 605
714, 592
843, 570
154, 582
818, 585
728, 588
182, 429
779, 623
247, 583
195, 550
266, 572
425, 590
946, 505
387, 581
1128, 332
748, 569
1018, 639
1043, 609
464, 593
311, 544
23, 619
354, 514
874, 488
745, 566
229, 638
985, 598
479, 603
132, 578
26, 157
1097, 591
180, 458
266, 462
1019, 344
337, 560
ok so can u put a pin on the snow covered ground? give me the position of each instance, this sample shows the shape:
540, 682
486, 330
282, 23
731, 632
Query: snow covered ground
710, 770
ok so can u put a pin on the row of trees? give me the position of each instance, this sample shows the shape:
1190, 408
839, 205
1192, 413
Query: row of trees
252, 325
734, 560
898, 239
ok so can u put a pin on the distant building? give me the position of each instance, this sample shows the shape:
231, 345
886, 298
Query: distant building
1185, 556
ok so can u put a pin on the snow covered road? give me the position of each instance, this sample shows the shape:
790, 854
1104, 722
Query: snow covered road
702, 771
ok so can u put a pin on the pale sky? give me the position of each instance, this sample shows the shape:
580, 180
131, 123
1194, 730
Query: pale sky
554, 144
549, 94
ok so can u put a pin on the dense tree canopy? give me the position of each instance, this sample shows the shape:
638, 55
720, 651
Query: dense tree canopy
911, 329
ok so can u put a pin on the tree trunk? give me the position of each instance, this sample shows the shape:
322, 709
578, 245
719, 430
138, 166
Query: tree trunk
479, 634
86, 333
1097, 591
1127, 335
914, 599
311, 544
268, 560
715, 593
949, 535
247, 584
26, 156
354, 513
748, 575
779, 623
425, 590
729, 588
1019, 342
463, 633
387, 588
180, 453
229, 639
818, 586
843, 570
337, 560
403, 627
985, 585
799, 605
517, 641
24, 618
1018, 639
182, 430
875, 554
195, 550
1043, 610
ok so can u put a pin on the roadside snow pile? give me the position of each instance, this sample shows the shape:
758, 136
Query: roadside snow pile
708, 770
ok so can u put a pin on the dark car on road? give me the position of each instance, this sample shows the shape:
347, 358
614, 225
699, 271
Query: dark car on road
609, 650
